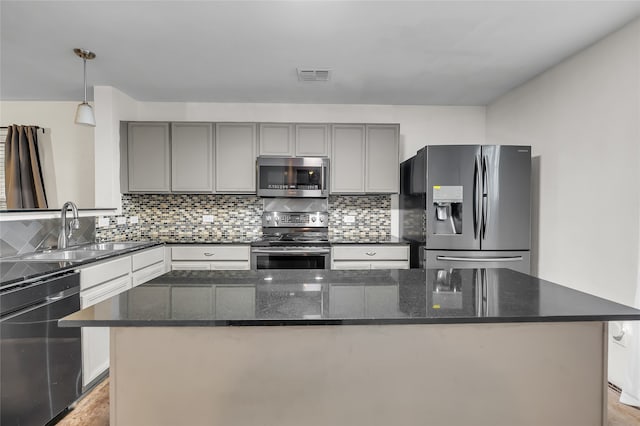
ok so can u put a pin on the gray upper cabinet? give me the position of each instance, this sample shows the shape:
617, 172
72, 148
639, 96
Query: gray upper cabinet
348, 159
191, 157
148, 157
276, 139
235, 158
312, 140
382, 171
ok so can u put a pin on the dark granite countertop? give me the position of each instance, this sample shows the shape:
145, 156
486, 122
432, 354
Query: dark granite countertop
12, 271
325, 297
367, 240
194, 242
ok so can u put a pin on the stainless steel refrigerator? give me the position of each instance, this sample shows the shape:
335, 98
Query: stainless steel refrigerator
467, 206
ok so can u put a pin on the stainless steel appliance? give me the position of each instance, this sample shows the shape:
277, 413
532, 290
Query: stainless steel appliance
295, 236
467, 206
40, 363
293, 177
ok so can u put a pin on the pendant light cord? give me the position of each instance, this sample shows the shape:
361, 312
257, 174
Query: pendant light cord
84, 60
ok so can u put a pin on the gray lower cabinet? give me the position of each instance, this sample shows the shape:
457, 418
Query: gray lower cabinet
148, 157
192, 157
354, 301
312, 140
276, 139
235, 158
346, 301
192, 302
382, 171
347, 158
235, 302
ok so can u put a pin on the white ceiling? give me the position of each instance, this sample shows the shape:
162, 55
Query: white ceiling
413, 53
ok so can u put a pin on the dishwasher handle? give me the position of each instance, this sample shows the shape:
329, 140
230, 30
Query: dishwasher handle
50, 300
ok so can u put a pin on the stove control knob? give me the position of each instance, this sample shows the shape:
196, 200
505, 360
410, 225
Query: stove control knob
276, 219
313, 219
321, 219
268, 218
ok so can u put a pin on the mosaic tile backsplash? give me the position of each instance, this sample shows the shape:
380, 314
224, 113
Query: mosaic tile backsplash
178, 218
372, 215
26, 236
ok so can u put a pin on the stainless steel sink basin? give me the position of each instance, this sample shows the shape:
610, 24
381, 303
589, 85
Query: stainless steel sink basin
62, 256
123, 245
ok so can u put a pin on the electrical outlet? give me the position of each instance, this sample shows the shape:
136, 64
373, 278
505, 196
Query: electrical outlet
121, 220
133, 220
103, 222
349, 219
207, 218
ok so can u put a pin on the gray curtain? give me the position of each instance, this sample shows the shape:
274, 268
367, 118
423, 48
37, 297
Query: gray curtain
23, 173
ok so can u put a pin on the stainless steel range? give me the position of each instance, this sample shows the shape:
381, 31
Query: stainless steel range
293, 239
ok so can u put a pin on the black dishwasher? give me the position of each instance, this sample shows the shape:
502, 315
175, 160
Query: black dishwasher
40, 363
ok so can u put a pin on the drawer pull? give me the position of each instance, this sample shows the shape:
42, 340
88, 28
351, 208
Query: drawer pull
209, 254
370, 253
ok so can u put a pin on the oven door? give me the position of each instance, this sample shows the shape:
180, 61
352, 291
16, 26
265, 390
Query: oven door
286, 258
292, 177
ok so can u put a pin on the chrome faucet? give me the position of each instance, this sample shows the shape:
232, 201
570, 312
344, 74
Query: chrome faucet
66, 229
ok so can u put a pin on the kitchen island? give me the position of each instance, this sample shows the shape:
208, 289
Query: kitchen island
405, 347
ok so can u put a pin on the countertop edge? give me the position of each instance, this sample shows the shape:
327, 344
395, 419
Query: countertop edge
73, 265
335, 322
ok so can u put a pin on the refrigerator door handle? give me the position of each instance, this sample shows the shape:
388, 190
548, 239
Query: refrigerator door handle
485, 197
480, 259
476, 198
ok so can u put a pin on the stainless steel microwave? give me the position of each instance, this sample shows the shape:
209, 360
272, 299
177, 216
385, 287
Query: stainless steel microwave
293, 177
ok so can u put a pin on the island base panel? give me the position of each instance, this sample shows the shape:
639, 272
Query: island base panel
482, 374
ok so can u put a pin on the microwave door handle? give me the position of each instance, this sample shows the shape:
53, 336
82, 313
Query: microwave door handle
324, 188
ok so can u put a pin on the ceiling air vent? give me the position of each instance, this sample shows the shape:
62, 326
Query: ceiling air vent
308, 74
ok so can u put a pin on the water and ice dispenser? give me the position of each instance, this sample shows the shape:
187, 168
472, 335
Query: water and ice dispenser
447, 201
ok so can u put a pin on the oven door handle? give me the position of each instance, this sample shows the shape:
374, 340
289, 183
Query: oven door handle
305, 251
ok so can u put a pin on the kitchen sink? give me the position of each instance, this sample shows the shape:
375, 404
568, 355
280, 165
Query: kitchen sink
62, 255
77, 253
125, 245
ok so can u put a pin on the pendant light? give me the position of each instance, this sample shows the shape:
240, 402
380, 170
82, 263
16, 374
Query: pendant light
84, 113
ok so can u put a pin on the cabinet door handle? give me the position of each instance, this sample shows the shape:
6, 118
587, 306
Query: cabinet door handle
370, 253
209, 254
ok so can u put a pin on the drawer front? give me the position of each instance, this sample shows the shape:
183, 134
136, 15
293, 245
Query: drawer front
107, 271
390, 264
231, 265
147, 257
370, 252
210, 252
190, 266
350, 264
102, 292
147, 274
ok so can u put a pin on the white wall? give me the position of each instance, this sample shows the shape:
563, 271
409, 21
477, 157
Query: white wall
111, 107
66, 149
582, 118
419, 125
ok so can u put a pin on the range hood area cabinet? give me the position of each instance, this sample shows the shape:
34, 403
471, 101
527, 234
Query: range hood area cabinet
188, 157
205, 158
365, 159
294, 140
